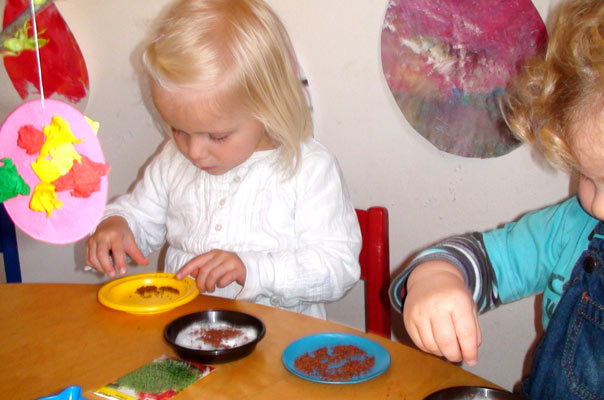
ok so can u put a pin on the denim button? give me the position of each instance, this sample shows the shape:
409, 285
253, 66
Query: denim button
589, 264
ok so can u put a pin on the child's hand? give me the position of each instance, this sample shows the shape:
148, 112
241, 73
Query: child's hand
112, 239
439, 313
214, 268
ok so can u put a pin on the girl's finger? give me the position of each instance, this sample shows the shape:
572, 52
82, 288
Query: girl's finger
226, 279
119, 260
210, 272
102, 253
135, 253
91, 257
193, 265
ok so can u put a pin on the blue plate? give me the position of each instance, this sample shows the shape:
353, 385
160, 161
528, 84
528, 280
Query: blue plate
311, 343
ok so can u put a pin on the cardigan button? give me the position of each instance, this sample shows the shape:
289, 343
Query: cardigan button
589, 264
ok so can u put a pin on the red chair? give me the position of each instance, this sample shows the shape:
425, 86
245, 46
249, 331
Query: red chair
375, 269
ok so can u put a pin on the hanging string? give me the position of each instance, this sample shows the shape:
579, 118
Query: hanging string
35, 29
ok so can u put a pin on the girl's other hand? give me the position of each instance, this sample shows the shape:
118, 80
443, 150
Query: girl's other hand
439, 313
106, 249
214, 268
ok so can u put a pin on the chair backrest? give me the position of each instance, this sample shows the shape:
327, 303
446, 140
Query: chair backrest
375, 268
8, 247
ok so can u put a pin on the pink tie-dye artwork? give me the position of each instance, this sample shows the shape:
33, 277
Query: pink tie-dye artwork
447, 63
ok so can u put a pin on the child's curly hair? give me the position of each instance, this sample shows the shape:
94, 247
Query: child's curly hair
556, 89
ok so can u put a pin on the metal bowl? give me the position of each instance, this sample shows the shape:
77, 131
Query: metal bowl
472, 393
234, 318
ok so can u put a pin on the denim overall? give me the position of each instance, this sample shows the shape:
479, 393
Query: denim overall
568, 363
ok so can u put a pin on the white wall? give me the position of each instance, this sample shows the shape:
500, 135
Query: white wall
429, 194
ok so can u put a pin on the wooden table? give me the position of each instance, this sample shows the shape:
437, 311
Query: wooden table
57, 335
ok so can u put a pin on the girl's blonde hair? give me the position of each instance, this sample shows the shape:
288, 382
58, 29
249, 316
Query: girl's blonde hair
235, 50
563, 86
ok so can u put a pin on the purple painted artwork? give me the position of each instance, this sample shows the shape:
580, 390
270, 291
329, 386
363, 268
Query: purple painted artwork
447, 63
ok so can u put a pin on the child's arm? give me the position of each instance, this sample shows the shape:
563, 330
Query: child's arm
112, 239
440, 289
499, 266
439, 314
142, 216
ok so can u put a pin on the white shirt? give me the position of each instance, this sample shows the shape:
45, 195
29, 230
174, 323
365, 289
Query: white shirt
299, 238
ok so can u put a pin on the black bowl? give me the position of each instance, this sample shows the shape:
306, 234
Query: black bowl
234, 318
472, 393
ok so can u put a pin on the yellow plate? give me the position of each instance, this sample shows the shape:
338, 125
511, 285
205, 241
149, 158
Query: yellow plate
123, 294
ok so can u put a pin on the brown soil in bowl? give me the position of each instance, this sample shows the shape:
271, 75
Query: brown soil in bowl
214, 337
342, 363
154, 291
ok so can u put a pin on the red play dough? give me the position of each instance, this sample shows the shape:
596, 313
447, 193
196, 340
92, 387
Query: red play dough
30, 139
83, 179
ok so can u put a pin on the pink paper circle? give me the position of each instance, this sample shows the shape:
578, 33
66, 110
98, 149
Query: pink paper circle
77, 217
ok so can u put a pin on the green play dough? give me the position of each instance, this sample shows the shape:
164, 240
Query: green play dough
159, 376
11, 183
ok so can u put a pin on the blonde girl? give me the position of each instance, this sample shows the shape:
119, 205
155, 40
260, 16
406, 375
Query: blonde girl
250, 204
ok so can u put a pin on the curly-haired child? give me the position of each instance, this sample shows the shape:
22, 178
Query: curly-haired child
557, 105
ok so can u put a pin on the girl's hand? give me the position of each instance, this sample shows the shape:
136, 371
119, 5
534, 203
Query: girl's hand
112, 239
439, 312
214, 268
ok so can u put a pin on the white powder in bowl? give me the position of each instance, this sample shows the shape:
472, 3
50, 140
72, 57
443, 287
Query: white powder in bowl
213, 336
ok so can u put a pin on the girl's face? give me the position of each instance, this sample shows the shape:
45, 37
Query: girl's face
213, 143
589, 150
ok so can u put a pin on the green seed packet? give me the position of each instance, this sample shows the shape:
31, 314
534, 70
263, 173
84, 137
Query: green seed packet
161, 379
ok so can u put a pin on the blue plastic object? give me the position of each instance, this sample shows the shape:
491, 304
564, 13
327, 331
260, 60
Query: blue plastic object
308, 344
70, 393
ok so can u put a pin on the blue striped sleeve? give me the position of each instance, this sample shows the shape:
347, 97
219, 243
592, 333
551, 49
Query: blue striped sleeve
467, 253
